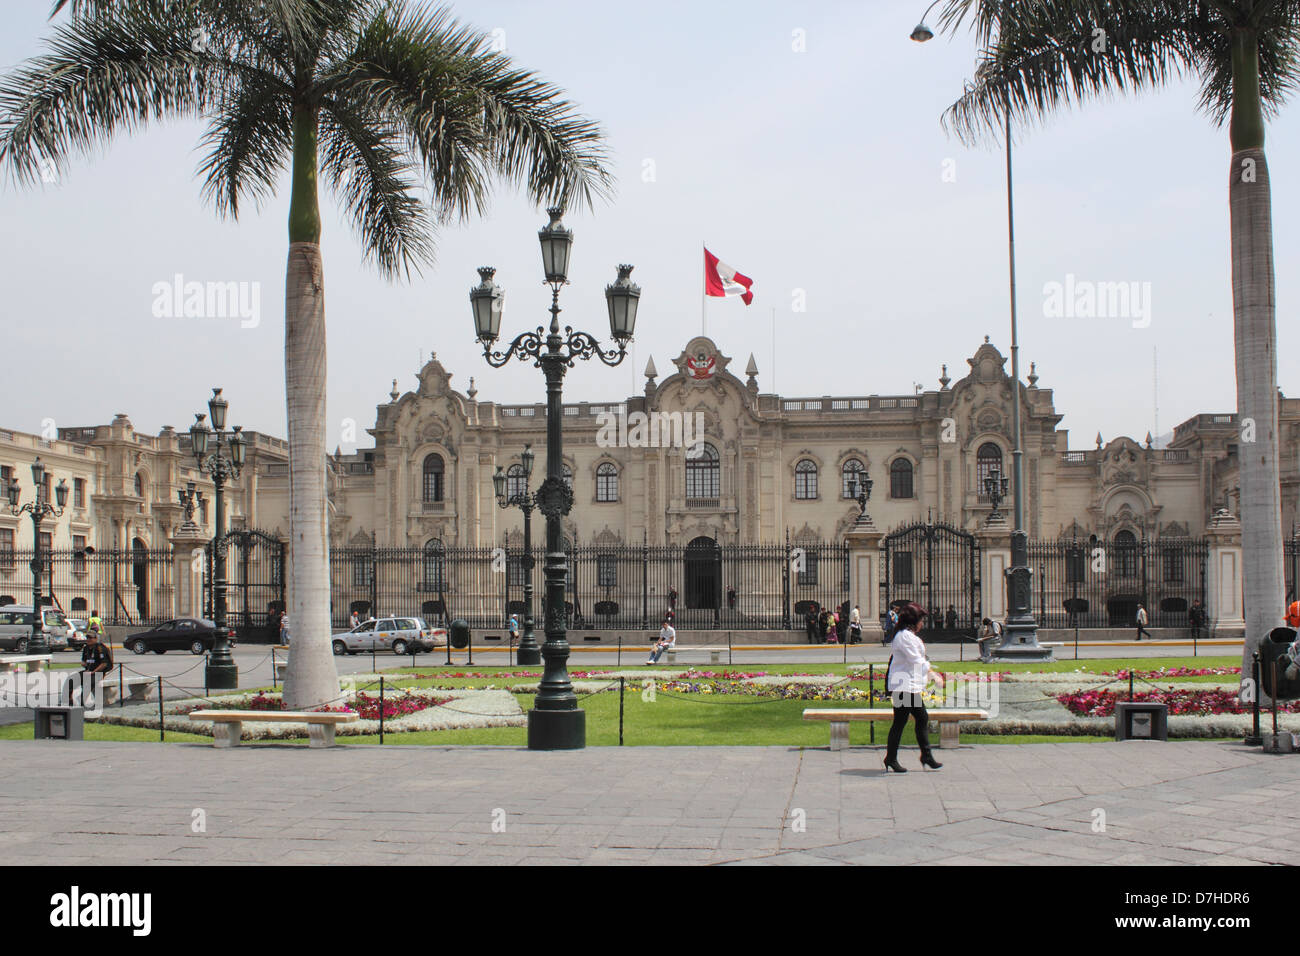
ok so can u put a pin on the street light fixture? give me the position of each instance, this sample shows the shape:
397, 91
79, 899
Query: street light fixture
861, 492
529, 651
1020, 638
223, 463
40, 509
555, 722
995, 488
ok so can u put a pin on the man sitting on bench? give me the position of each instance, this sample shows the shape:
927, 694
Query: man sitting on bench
96, 660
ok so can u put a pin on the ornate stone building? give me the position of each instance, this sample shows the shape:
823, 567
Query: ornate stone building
768, 465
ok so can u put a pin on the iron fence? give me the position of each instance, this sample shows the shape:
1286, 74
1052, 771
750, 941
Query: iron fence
127, 587
626, 587
1093, 583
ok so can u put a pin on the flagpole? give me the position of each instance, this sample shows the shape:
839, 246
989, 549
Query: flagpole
774, 391
704, 296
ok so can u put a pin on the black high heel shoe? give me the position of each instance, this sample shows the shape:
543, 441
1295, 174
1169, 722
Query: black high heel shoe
927, 760
895, 766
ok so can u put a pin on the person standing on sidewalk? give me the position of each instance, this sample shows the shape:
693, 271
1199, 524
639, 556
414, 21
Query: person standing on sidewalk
855, 626
908, 673
1142, 622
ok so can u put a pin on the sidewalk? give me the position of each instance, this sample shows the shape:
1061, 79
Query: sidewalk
1180, 802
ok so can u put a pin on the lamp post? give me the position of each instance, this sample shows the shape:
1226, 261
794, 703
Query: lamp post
221, 672
555, 722
189, 498
40, 509
1020, 638
529, 652
862, 493
995, 487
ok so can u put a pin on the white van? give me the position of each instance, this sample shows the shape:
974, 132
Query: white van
16, 627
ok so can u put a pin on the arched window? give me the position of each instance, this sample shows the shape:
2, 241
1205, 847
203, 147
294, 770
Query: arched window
805, 480
433, 474
900, 479
851, 473
1126, 554
703, 474
139, 485
433, 564
516, 484
987, 461
607, 482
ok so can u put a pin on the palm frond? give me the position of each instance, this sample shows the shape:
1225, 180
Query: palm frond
367, 167
249, 141
103, 74
469, 115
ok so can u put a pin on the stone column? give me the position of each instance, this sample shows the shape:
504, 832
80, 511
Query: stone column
187, 570
995, 558
1223, 576
863, 540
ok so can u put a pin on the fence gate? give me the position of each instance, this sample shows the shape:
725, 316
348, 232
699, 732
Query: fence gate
254, 585
935, 566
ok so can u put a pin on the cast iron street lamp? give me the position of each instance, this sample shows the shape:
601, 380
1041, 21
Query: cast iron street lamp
995, 487
555, 722
221, 671
861, 492
1020, 636
189, 499
40, 509
529, 652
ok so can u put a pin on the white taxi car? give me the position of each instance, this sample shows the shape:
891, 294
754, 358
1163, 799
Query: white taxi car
401, 635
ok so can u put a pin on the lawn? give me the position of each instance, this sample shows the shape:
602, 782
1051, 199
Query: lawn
681, 719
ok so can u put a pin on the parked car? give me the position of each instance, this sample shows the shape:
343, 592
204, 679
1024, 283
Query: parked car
77, 633
401, 635
195, 634
16, 627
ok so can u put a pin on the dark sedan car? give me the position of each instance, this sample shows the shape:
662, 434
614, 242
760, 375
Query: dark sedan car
186, 633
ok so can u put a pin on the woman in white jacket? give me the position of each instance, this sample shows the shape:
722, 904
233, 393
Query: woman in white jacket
909, 672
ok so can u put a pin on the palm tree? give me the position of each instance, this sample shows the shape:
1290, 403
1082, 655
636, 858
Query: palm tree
379, 97
1039, 55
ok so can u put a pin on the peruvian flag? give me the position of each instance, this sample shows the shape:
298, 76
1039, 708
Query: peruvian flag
722, 280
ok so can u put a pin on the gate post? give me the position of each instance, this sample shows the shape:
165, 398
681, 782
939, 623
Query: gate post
186, 573
863, 542
995, 558
1223, 604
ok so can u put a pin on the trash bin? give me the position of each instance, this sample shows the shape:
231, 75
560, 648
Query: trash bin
1274, 649
59, 723
459, 634
1141, 720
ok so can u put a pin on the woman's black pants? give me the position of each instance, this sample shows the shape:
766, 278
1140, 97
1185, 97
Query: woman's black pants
900, 721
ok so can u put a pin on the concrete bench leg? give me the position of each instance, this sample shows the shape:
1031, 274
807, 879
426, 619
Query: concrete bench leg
715, 657
227, 733
671, 655
949, 733
320, 735
141, 691
839, 735
35, 667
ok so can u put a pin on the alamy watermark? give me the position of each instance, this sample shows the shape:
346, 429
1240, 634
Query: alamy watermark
179, 299
1085, 299
651, 430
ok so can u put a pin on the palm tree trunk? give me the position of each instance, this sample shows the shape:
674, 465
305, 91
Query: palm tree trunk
311, 678
1255, 334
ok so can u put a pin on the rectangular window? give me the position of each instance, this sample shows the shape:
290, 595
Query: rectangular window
808, 576
902, 569
79, 553
6, 548
1173, 566
363, 572
203, 511
1076, 566
78, 492
606, 571
516, 578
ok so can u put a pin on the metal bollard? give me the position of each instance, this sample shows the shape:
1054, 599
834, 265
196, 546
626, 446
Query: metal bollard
162, 720
622, 686
381, 711
1255, 738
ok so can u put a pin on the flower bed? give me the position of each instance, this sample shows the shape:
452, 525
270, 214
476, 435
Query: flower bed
1209, 702
1164, 672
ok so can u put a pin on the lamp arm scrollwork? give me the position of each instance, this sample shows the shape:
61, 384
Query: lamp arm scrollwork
584, 345
527, 345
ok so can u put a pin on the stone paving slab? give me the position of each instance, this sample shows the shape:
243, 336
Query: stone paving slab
1109, 803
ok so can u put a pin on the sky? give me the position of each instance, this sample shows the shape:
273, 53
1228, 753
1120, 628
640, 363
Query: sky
800, 140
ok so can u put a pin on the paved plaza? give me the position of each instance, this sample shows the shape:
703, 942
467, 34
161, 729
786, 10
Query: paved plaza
1090, 803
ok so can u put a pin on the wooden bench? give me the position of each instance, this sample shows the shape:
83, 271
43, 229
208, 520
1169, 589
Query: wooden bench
136, 688
228, 725
33, 663
948, 721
